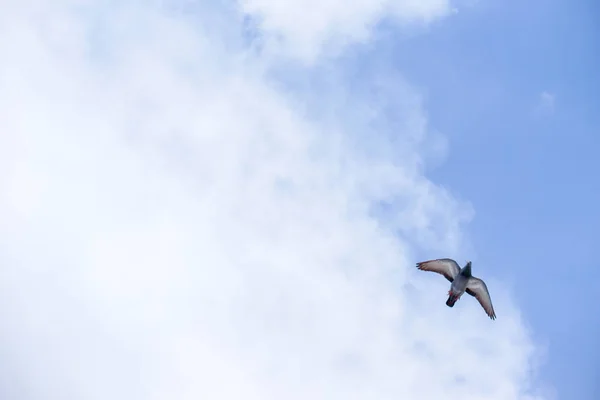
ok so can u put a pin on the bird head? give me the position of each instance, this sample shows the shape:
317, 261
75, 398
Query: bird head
467, 269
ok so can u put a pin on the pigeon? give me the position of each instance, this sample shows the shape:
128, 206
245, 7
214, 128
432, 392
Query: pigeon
462, 281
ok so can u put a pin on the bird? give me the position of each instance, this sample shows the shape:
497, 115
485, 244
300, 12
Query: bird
462, 281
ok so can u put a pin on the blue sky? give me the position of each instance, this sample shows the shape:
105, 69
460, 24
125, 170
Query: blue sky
531, 177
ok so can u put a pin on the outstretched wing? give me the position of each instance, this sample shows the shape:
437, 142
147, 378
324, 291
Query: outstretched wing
445, 266
477, 288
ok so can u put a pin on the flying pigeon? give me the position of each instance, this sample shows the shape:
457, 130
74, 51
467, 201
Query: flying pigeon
462, 281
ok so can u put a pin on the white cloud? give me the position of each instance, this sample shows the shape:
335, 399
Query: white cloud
307, 28
174, 227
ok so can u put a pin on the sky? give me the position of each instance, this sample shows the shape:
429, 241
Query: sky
516, 93
226, 200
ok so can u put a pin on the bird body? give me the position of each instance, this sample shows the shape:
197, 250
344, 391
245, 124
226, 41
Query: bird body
461, 281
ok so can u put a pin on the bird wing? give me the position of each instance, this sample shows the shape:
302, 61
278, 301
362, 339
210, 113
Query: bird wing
477, 288
445, 266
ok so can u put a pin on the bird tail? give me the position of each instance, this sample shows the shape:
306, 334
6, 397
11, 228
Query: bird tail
451, 299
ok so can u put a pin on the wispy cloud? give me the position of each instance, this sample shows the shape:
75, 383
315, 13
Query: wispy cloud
546, 103
176, 226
